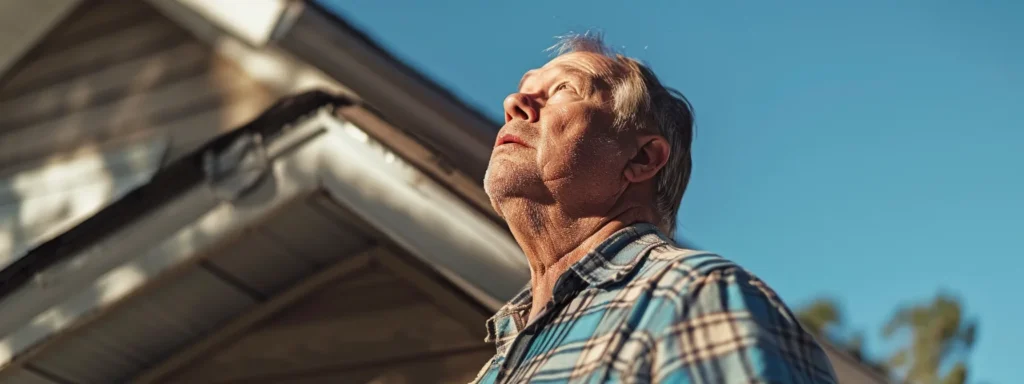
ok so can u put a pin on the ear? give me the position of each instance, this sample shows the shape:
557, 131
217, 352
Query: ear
650, 157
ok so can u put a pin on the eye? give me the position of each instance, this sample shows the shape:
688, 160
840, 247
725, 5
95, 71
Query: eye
561, 86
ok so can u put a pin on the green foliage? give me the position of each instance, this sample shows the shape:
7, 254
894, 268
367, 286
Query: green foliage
819, 315
936, 337
939, 336
824, 319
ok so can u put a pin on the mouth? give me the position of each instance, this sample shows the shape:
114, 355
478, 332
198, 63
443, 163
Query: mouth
506, 138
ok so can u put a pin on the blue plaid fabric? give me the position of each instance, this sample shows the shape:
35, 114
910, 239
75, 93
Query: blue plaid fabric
639, 309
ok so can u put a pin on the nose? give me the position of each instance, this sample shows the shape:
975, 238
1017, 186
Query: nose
520, 106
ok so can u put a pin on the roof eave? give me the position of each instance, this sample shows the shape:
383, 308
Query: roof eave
461, 135
387, 193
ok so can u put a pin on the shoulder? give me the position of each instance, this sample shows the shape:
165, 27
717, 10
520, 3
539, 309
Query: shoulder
693, 278
670, 265
672, 257
709, 309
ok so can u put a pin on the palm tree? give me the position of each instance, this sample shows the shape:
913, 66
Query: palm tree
939, 335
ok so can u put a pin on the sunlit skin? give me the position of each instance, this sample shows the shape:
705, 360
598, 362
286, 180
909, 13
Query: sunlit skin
561, 175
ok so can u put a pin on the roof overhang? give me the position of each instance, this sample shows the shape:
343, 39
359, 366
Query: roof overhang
460, 135
423, 194
254, 23
309, 47
248, 42
322, 155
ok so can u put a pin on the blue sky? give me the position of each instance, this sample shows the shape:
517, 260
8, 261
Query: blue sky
869, 150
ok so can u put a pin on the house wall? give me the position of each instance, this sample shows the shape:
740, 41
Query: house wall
23, 22
113, 72
114, 90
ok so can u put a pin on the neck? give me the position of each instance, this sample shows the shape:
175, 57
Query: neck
554, 240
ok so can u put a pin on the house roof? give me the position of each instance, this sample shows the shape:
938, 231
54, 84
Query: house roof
69, 284
320, 200
453, 132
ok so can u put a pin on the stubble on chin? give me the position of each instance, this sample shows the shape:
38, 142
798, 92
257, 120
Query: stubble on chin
505, 179
515, 209
510, 188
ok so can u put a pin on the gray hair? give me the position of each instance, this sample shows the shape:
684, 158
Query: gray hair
643, 103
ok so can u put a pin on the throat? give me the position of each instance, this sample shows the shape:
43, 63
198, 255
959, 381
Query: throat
553, 240
542, 286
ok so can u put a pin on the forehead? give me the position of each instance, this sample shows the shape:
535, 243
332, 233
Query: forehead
583, 64
593, 63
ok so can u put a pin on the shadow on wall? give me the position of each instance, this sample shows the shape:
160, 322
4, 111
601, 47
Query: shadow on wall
38, 204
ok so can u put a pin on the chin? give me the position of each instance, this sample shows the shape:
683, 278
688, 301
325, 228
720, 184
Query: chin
495, 186
513, 177
504, 181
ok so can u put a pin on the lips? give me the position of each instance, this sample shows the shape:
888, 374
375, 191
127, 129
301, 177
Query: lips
507, 138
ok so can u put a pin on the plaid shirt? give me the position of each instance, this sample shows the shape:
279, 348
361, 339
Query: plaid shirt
639, 309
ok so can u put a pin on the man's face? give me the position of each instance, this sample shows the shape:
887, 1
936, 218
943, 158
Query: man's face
558, 143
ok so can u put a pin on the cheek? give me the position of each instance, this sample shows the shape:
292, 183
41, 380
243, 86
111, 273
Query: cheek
601, 158
583, 159
590, 176
571, 149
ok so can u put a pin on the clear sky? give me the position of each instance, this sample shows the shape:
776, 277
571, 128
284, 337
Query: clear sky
869, 150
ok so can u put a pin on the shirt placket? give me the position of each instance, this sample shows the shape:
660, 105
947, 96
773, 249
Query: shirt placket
565, 288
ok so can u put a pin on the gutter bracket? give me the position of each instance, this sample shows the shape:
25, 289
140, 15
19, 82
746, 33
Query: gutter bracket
237, 168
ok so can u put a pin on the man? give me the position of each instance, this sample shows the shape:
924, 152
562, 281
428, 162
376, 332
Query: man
588, 172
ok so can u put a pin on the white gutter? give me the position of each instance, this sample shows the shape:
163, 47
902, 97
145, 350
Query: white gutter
462, 137
421, 216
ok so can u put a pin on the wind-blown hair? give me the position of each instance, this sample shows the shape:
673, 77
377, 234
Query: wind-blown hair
642, 103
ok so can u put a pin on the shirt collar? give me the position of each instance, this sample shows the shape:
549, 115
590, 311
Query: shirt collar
611, 261
617, 256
